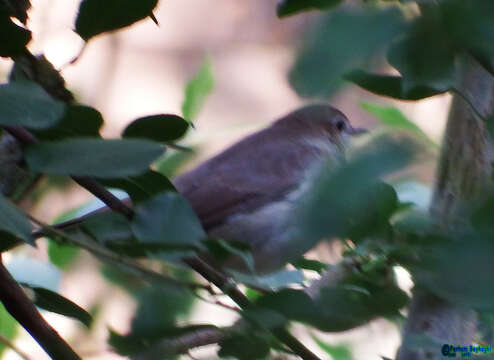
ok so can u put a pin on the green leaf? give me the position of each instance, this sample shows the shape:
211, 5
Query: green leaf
470, 24
107, 227
8, 328
425, 57
160, 128
13, 221
16, 8
342, 41
394, 119
197, 90
51, 301
96, 17
244, 347
451, 271
24, 103
387, 85
62, 255
168, 219
93, 157
291, 7
172, 161
337, 352
309, 264
349, 200
78, 121
141, 187
13, 38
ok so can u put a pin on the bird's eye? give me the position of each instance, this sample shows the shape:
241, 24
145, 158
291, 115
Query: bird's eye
340, 125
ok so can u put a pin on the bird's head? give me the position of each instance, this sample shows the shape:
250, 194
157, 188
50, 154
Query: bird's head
321, 120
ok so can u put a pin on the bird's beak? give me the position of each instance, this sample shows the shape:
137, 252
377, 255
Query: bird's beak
357, 131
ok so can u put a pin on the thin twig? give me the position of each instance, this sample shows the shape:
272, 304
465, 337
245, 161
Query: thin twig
13, 347
114, 258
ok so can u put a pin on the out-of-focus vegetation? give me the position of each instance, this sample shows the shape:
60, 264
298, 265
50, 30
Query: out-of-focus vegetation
424, 41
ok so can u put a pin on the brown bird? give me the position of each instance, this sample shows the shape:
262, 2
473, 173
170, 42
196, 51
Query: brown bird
248, 192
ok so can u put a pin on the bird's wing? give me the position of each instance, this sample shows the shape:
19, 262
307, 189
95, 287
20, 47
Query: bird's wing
259, 169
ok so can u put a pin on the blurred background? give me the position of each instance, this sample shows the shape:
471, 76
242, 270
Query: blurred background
143, 70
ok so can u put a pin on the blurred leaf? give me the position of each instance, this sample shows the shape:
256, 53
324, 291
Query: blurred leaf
340, 42
197, 90
446, 269
96, 17
13, 38
16, 8
337, 352
62, 255
172, 161
291, 7
8, 241
425, 57
8, 328
271, 282
387, 85
309, 264
350, 201
141, 187
24, 103
14, 221
51, 301
244, 347
470, 24
222, 251
78, 121
108, 227
93, 157
353, 302
394, 119
167, 218
160, 128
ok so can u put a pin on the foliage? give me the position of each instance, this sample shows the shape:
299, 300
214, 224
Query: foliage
352, 202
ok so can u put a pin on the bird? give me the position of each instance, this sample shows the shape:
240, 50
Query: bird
248, 193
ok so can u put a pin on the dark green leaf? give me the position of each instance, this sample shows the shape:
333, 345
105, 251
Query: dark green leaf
107, 227
93, 157
351, 201
96, 17
160, 128
167, 219
51, 301
290, 7
425, 57
387, 85
470, 24
78, 121
16, 8
197, 90
26, 104
309, 264
13, 38
14, 221
447, 269
141, 187
244, 347
341, 42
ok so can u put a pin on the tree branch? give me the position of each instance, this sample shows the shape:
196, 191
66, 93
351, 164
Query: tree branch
464, 171
23, 310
